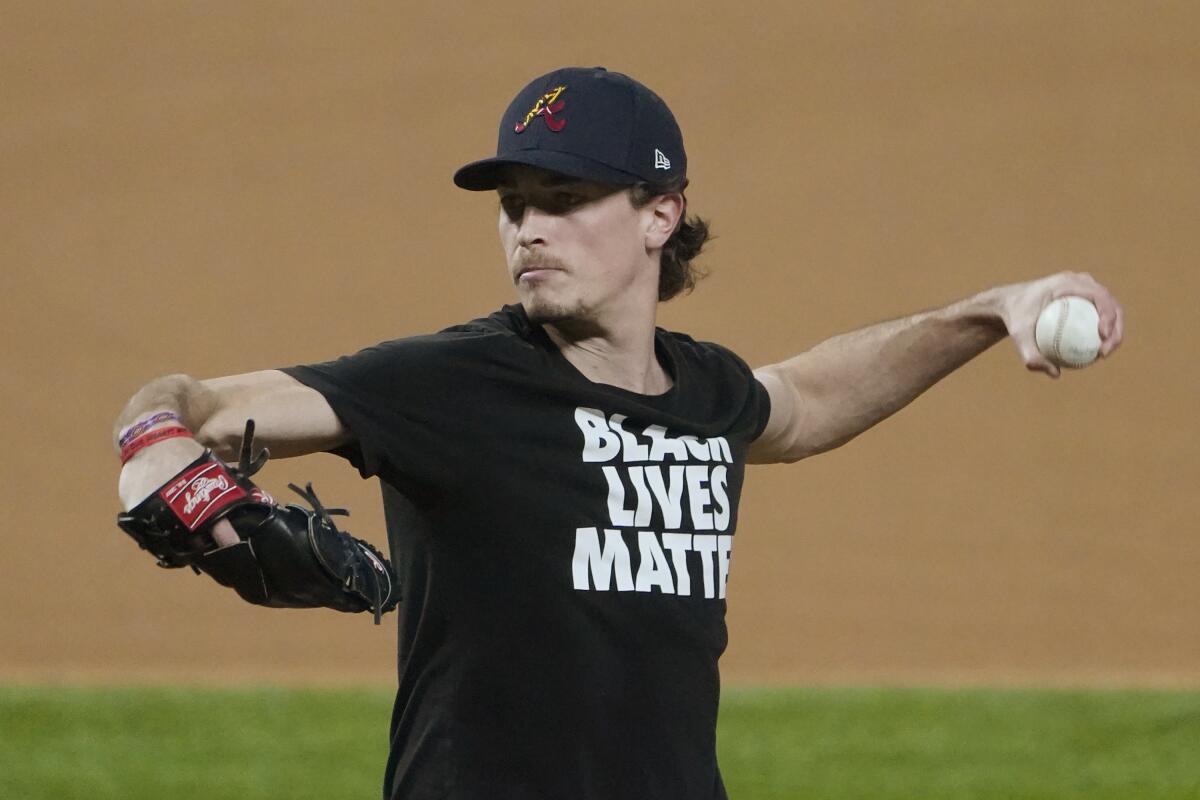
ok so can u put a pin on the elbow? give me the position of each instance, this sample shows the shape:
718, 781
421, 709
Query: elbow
817, 428
800, 450
809, 416
824, 446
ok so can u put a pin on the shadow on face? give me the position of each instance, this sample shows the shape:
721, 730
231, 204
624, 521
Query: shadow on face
521, 187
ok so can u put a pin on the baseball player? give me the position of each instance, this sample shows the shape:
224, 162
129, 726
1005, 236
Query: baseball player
561, 477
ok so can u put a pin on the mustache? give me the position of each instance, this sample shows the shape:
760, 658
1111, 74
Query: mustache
536, 260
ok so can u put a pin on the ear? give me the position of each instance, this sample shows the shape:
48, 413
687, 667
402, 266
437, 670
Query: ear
663, 215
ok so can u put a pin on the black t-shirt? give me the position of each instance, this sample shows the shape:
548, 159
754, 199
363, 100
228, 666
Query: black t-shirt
563, 548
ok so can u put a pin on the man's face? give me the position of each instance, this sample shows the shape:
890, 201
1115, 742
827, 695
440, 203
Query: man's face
574, 248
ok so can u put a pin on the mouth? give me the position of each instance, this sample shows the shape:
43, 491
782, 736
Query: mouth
535, 270
535, 273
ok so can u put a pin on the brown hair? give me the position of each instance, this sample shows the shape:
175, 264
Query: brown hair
676, 272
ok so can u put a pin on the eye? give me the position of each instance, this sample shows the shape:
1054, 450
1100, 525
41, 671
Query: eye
513, 206
567, 199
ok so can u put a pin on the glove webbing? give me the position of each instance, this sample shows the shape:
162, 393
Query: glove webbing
324, 514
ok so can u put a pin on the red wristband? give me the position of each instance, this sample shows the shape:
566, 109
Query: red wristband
153, 437
138, 428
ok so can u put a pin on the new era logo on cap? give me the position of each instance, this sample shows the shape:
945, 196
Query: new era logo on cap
606, 127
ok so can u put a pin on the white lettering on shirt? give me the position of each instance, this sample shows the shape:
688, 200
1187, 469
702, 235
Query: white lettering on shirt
590, 562
643, 490
599, 443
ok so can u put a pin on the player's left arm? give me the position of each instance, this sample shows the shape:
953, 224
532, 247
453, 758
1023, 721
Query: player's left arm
824, 397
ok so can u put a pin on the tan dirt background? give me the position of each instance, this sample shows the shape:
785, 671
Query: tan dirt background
219, 187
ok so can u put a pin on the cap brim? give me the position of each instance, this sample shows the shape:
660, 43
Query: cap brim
485, 175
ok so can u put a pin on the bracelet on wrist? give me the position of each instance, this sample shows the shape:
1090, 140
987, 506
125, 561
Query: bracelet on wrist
153, 437
138, 428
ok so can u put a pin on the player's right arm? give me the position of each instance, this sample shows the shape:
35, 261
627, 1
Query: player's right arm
276, 556
290, 419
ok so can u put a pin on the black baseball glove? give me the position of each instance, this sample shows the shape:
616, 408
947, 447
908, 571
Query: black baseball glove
288, 557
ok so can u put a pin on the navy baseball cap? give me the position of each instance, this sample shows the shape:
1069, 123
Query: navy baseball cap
587, 123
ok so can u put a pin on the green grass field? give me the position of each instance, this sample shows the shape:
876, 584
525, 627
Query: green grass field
801, 743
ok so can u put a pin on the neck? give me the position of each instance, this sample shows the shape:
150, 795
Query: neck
620, 355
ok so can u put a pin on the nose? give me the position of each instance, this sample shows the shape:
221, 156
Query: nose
531, 229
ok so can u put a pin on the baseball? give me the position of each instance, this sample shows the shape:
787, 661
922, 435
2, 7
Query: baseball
1068, 332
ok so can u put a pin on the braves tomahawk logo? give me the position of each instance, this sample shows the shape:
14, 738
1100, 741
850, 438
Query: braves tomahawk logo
546, 107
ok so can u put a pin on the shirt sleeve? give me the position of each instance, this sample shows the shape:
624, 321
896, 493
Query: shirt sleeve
392, 398
751, 398
355, 411
761, 404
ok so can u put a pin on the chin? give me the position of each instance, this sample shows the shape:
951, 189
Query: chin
542, 311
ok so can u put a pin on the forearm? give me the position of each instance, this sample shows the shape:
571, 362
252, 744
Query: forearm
850, 382
290, 419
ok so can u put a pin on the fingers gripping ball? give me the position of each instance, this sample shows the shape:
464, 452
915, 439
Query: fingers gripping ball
288, 557
1068, 332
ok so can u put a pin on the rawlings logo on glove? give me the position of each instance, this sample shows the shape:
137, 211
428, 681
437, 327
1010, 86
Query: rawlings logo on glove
192, 498
288, 557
